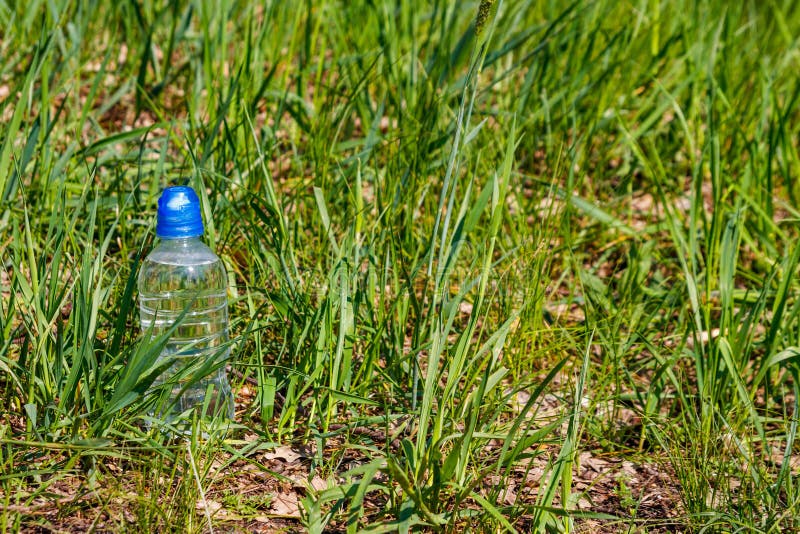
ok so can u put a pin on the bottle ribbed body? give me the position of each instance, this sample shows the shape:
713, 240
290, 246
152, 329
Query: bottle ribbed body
183, 281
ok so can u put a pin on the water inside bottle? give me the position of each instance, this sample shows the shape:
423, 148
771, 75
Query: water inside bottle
196, 345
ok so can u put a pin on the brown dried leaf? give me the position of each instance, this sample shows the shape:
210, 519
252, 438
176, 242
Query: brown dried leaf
319, 484
285, 453
210, 506
510, 494
285, 504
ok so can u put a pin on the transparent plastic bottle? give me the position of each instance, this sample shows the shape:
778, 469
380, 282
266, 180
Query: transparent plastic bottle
183, 280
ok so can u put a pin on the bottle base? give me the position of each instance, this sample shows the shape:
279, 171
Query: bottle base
209, 401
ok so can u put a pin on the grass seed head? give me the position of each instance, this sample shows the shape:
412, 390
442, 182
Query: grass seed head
483, 15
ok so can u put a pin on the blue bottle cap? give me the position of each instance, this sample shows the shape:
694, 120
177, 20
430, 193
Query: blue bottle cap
179, 213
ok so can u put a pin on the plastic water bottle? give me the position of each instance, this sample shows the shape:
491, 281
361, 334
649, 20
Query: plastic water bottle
183, 281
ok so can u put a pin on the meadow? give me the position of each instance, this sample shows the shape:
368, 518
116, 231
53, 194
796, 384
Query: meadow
496, 266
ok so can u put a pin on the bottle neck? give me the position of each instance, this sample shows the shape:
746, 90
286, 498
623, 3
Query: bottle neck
179, 241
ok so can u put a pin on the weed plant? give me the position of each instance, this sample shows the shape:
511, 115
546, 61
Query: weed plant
468, 245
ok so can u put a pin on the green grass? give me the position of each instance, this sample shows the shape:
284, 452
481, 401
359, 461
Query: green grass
468, 246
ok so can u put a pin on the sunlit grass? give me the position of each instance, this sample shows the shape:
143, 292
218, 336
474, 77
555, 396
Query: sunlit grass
459, 257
